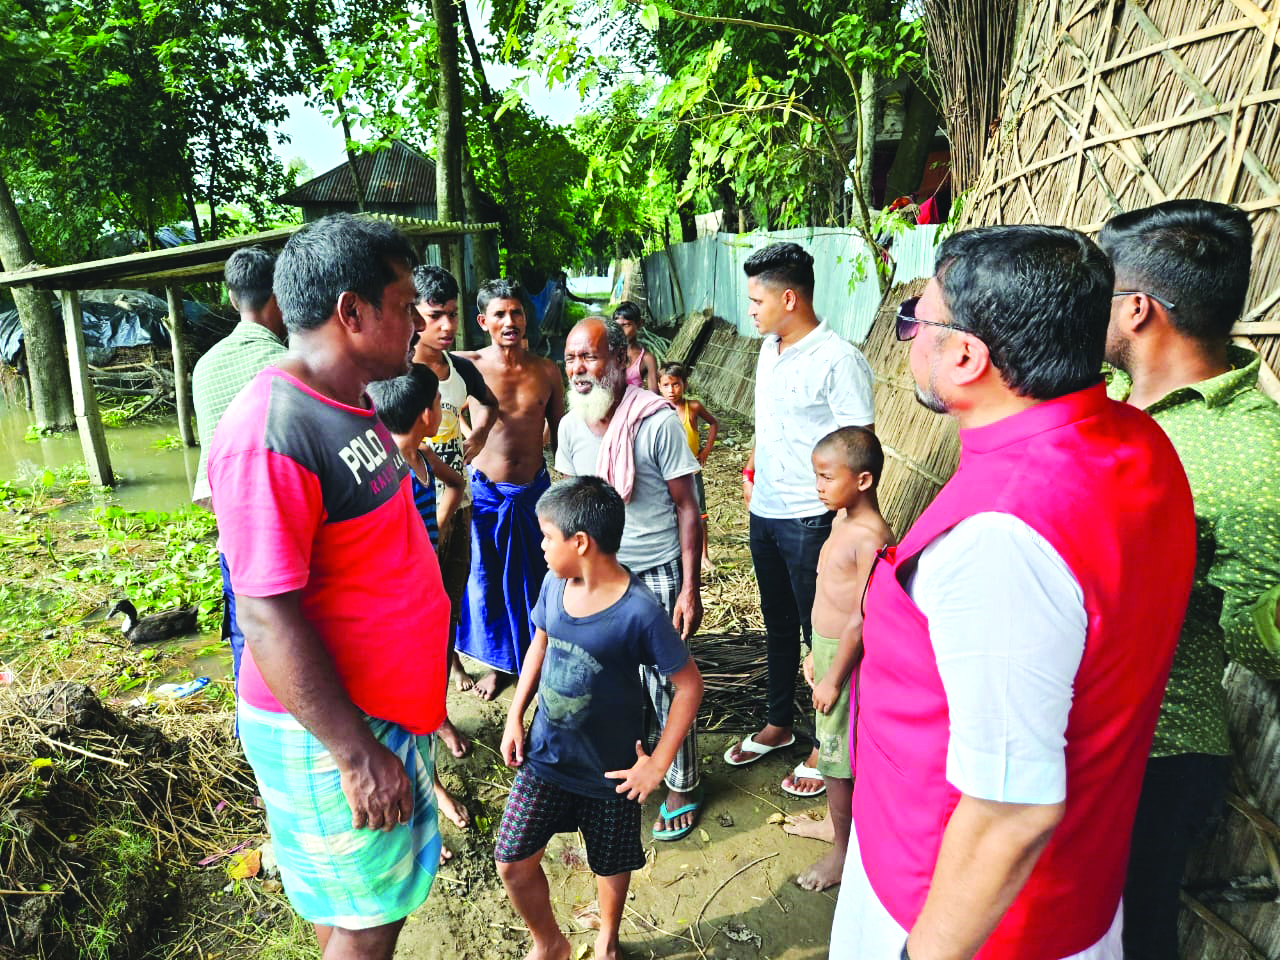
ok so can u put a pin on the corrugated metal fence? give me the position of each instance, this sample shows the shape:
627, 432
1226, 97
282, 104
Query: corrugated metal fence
708, 274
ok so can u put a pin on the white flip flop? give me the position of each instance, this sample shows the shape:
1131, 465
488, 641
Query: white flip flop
757, 750
802, 771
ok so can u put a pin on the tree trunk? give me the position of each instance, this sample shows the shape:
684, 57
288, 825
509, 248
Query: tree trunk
481, 245
496, 136
871, 114
681, 148
920, 122
450, 133
315, 45
42, 342
354, 170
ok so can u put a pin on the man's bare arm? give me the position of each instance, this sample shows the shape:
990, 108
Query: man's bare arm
300, 673
988, 851
688, 613
555, 405
482, 421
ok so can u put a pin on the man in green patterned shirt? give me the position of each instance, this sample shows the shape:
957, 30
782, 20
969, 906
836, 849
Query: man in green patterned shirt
255, 342
1182, 274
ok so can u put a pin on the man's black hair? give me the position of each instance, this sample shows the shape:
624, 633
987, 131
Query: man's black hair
402, 400
434, 284
1193, 253
500, 289
673, 369
786, 265
1038, 297
334, 255
248, 277
627, 310
858, 448
587, 505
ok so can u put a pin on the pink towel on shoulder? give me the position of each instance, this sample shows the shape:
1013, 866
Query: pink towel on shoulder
616, 462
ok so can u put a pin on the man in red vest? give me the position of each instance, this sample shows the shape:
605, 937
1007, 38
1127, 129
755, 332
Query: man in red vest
1017, 641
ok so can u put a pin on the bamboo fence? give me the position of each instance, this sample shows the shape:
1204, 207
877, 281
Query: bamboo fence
1112, 105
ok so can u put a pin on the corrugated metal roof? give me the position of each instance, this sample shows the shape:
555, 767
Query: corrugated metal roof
398, 174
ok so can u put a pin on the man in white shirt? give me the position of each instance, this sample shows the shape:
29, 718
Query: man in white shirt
809, 381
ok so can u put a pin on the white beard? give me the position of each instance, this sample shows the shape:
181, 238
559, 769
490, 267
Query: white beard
594, 405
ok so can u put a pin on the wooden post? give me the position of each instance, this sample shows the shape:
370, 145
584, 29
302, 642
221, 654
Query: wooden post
181, 379
93, 438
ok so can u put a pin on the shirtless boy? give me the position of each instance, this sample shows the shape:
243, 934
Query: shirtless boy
507, 478
461, 386
847, 463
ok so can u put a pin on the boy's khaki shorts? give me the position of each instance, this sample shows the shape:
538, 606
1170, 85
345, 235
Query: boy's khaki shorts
831, 729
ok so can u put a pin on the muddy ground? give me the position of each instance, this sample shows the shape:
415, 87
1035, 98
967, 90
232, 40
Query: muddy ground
731, 877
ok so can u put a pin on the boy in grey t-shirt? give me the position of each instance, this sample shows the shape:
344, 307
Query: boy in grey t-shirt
596, 625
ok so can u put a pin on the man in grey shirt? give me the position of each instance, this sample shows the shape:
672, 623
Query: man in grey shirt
648, 459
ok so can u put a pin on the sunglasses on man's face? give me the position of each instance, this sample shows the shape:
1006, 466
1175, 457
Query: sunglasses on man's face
908, 324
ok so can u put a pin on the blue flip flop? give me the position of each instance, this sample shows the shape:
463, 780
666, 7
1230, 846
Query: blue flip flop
665, 814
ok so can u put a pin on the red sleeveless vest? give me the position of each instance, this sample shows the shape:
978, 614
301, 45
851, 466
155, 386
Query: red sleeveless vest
1102, 484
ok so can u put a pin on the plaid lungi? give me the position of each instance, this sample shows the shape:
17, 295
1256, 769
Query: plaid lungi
335, 875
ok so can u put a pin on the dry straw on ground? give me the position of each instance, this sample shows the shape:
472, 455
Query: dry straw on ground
99, 811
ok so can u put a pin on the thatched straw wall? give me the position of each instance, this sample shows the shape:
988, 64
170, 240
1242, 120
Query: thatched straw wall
724, 369
1112, 106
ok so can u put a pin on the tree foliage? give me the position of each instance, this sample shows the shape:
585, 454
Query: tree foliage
131, 112
777, 104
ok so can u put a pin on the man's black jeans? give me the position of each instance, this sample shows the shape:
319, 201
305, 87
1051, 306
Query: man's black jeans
785, 556
1181, 797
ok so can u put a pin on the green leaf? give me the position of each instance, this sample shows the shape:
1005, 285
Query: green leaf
650, 18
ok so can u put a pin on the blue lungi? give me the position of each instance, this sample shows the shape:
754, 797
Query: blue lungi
507, 568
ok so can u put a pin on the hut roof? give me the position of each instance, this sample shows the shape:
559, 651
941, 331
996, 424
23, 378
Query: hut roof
398, 174
197, 261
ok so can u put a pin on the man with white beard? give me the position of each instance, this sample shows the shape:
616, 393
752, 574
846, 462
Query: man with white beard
634, 440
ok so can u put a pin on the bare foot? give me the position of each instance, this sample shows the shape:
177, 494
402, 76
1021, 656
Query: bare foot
607, 947
450, 808
803, 825
457, 743
675, 800
445, 854
556, 950
462, 681
823, 874
491, 684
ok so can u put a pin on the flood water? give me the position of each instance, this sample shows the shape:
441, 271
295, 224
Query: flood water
147, 477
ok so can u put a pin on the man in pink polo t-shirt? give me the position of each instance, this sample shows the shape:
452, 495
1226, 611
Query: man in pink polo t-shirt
338, 593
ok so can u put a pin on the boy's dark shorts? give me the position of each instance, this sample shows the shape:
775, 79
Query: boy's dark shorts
700, 490
538, 809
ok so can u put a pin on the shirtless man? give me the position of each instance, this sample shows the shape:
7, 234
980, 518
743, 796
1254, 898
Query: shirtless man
847, 463
507, 478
